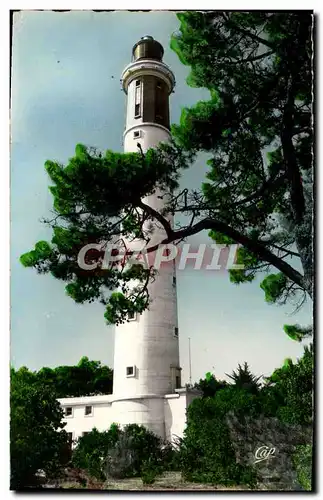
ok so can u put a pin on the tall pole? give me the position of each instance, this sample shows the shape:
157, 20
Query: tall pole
189, 357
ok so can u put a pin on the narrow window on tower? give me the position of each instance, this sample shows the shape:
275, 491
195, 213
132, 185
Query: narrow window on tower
138, 99
176, 331
178, 382
175, 378
159, 102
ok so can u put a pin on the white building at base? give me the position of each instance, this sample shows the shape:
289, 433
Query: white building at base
84, 413
147, 374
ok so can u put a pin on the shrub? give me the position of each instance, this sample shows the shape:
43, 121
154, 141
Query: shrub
206, 453
288, 393
92, 449
135, 445
149, 471
210, 385
302, 460
120, 462
170, 456
37, 438
117, 453
148, 477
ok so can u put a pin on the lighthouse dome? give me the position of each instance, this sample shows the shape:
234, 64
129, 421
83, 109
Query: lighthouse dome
147, 48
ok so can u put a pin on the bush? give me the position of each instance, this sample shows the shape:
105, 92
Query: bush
118, 453
135, 445
170, 456
120, 462
92, 449
148, 477
288, 394
206, 453
210, 385
302, 460
149, 471
37, 438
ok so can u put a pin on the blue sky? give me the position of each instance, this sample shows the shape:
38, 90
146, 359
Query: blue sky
63, 93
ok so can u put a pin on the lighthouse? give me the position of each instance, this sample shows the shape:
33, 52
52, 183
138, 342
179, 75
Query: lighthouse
147, 385
146, 352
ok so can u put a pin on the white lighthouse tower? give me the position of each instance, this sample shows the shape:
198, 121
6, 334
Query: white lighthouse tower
147, 375
146, 356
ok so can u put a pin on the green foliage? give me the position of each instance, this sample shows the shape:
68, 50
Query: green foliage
259, 100
169, 459
210, 385
250, 64
149, 471
96, 199
92, 449
87, 378
273, 286
297, 332
288, 393
148, 476
37, 439
139, 443
120, 459
206, 452
42, 251
220, 238
119, 306
302, 460
194, 117
118, 453
244, 379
